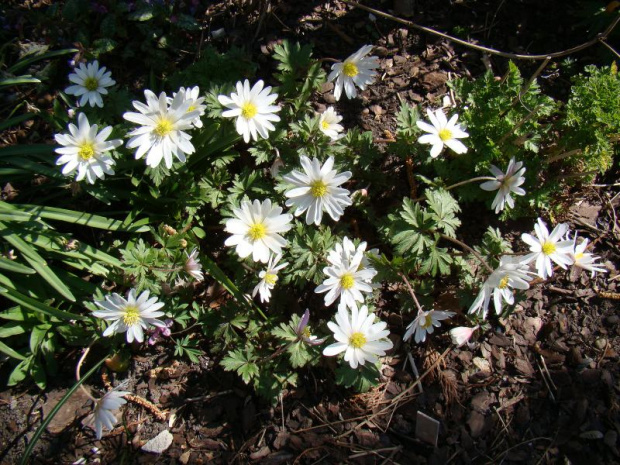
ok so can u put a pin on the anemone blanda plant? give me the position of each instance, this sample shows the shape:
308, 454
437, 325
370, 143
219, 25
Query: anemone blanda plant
317, 190
357, 70
196, 103
268, 278
546, 248
329, 124
586, 260
506, 184
511, 273
84, 150
425, 323
442, 132
253, 109
256, 229
358, 336
102, 415
346, 279
131, 315
161, 133
90, 82
192, 265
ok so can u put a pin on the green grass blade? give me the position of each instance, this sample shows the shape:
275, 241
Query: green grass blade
52, 414
16, 150
48, 275
19, 244
15, 267
24, 62
19, 80
35, 305
10, 352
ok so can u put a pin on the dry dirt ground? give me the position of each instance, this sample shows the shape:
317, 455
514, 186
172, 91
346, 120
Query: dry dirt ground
540, 387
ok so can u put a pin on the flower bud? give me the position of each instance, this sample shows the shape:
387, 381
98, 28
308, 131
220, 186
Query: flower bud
462, 334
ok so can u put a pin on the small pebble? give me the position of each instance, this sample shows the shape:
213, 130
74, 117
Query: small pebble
600, 343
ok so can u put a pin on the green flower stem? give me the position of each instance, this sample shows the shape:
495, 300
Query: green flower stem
52, 414
462, 183
415, 299
78, 368
468, 248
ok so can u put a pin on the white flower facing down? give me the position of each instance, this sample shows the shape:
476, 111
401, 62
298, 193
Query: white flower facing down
256, 230
131, 315
442, 132
84, 151
253, 109
316, 190
461, 334
510, 274
90, 83
346, 279
586, 260
192, 265
196, 103
505, 184
268, 278
329, 124
162, 124
546, 247
358, 336
425, 323
357, 70
102, 415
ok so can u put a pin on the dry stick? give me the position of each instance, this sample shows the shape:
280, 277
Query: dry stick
604, 42
517, 56
79, 367
415, 299
147, 405
561, 156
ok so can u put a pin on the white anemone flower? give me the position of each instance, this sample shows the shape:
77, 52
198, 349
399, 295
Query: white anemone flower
346, 250
84, 150
90, 83
196, 103
547, 247
253, 109
329, 124
192, 265
461, 334
346, 279
425, 323
256, 229
586, 260
442, 132
357, 70
268, 278
103, 415
358, 336
510, 274
132, 314
316, 190
505, 184
162, 124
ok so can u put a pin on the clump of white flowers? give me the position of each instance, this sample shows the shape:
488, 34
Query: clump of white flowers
442, 132
253, 109
90, 83
84, 150
357, 70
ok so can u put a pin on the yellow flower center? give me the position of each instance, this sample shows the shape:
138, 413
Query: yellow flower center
503, 283
318, 188
548, 248
306, 332
257, 231
428, 322
578, 255
445, 134
271, 278
91, 84
350, 69
163, 128
87, 151
357, 340
131, 316
191, 108
347, 281
325, 125
249, 110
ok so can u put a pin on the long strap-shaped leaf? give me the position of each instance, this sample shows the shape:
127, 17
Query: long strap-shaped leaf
10, 352
69, 216
15, 267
